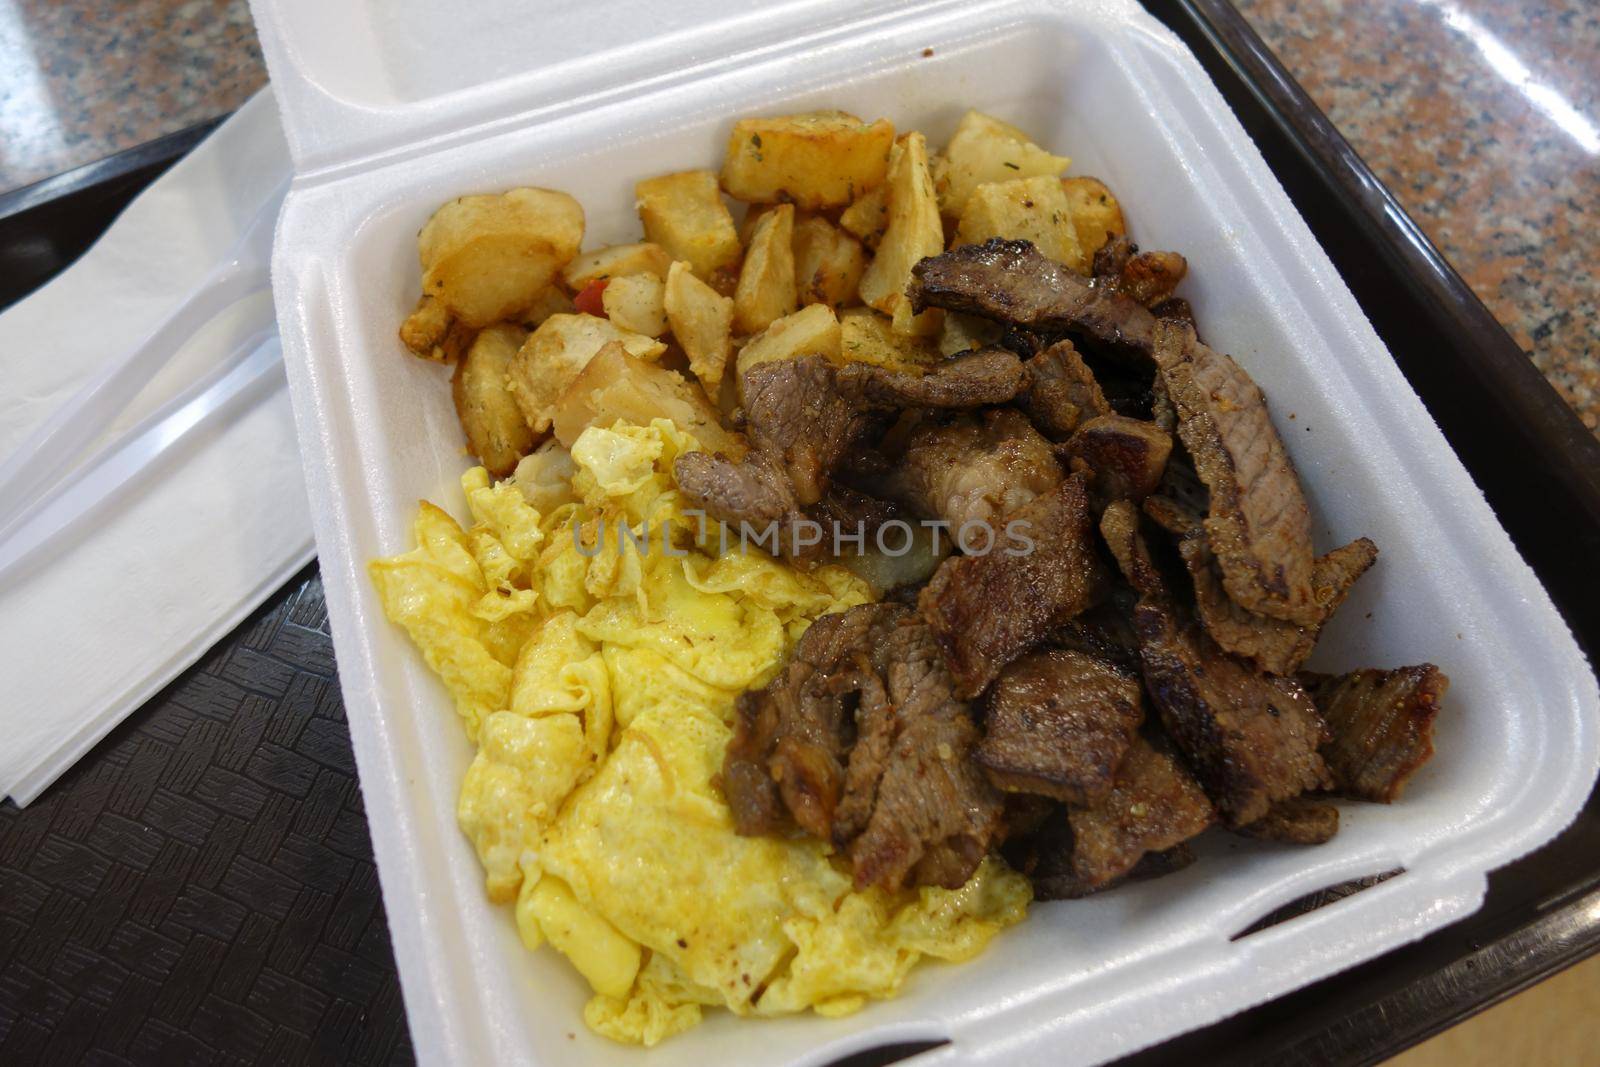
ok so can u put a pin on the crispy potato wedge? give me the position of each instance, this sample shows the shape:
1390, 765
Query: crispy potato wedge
634, 302
702, 323
915, 229
616, 261
1096, 215
431, 332
865, 336
984, 149
685, 215
766, 281
616, 385
816, 161
813, 330
550, 301
1029, 209
486, 258
555, 354
496, 431
868, 216
828, 263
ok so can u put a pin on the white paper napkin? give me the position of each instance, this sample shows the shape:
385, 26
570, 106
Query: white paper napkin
119, 611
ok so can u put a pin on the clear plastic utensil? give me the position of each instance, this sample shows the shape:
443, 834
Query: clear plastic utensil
120, 467
52, 448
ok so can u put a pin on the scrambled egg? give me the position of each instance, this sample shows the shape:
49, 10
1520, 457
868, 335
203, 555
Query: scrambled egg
598, 683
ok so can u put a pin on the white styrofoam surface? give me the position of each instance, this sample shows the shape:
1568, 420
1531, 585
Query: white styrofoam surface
1080, 981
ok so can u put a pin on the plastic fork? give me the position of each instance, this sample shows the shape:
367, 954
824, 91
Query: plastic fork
52, 449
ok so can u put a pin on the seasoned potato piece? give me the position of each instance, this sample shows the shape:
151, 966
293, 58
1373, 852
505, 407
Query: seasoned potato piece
634, 302
828, 263
868, 217
813, 330
544, 476
868, 337
963, 333
766, 281
486, 258
555, 353
984, 149
616, 386
702, 322
685, 215
431, 333
915, 230
1029, 209
816, 161
496, 431
1096, 215
616, 261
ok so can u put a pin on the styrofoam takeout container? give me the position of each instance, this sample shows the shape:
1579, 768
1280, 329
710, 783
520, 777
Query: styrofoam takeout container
393, 107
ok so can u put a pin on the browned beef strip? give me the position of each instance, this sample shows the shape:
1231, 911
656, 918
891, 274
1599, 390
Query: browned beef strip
975, 379
1062, 392
800, 418
988, 610
1296, 821
1382, 726
1272, 645
754, 491
1010, 281
1177, 309
1105, 632
1154, 805
1251, 739
973, 468
791, 738
1127, 456
1058, 723
1148, 277
1258, 523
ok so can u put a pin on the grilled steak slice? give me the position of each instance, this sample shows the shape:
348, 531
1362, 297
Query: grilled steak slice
801, 419
1296, 821
1251, 739
1062, 392
974, 468
1058, 724
1010, 281
1382, 726
916, 808
791, 738
987, 376
1258, 523
754, 491
1272, 645
1148, 277
1127, 456
1154, 806
988, 610
1105, 632
1177, 309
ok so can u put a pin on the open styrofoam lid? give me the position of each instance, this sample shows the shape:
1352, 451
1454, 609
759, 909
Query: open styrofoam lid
360, 80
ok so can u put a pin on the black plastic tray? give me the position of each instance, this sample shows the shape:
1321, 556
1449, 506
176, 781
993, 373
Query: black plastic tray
201, 886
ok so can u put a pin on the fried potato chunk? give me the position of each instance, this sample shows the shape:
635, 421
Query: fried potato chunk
496, 431
431, 333
828, 263
702, 322
1027, 209
868, 216
556, 353
1096, 215
685, 215
616, 385
766, 281
635, 302
984, 149
815, 161
616, 261
868, 337
915, 230
487, 258
813, 330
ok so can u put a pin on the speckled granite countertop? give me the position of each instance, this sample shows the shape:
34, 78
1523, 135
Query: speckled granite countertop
1482, 115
